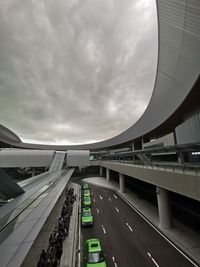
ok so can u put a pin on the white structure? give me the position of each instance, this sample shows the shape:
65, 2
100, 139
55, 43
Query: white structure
13, 158
78, 158
58, 161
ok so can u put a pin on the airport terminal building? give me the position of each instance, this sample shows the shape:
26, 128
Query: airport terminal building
154, 165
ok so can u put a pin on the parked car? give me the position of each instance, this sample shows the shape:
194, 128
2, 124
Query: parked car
87, 202
94, 256
85, 186
86, 193
86, 217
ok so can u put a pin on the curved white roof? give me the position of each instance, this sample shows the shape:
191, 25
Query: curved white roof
177, 71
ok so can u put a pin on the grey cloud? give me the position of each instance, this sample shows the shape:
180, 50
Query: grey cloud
75, 71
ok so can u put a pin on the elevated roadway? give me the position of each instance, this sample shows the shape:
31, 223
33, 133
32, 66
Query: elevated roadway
181, 179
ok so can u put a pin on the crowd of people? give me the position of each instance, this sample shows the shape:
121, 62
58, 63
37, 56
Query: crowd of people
52, 255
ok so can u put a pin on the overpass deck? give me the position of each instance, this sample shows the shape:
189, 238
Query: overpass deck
22, 219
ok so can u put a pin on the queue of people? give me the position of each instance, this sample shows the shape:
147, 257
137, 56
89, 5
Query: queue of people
52, 255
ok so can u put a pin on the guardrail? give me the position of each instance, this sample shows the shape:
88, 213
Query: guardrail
192, 169
21, 207
70, 252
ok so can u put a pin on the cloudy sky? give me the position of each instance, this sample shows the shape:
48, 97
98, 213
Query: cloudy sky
75, 71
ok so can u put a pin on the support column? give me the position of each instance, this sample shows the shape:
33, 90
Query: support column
132, 146
121, 183
163, 208
101, 171
108, 175
181, 158
33, 172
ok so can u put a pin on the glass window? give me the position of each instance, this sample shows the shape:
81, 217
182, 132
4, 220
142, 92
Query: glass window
87, 213
95, 257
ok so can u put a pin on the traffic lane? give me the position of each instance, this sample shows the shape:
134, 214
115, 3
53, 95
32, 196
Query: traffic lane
155, 244
161, 249
96, 231
122, 243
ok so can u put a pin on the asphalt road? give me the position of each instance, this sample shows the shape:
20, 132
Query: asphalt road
127, 239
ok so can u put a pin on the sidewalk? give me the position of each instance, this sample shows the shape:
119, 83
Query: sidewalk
183, 237
69, 255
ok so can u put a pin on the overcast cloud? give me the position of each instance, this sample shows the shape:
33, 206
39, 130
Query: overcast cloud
75, 71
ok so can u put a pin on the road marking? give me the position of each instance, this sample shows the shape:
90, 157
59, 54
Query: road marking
109, 199
100, 197
94, 199
129, 227
116, 209
139, 213
97, 210
114, 195
113, 258
157, 265
104, 230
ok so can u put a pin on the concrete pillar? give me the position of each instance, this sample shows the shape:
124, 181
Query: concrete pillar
101, 171
108, 175
163, 208
181, 159
121, 183
33, 172
132, 146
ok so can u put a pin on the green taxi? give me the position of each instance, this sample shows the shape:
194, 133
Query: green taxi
86, 193
94, 255
85, 186
86, 217
87, 202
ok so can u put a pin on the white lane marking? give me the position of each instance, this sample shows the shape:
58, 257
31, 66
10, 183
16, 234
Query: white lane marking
129, 227
109, 199
157, 265
104, 230
113, 258
116, 209
114, 195
94, 199
97, 210
100, 197
139, 213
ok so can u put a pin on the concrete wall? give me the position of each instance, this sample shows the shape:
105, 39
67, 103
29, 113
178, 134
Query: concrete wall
189, 130
25, 158
167, 140
78, 158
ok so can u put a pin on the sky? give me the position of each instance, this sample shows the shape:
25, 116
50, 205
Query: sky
75, 71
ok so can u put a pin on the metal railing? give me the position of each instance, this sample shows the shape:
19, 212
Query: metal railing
186, 168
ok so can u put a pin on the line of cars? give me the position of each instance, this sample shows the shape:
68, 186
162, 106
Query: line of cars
93, 250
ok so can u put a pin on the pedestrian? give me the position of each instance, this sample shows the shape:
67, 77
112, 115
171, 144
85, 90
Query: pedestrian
59, 254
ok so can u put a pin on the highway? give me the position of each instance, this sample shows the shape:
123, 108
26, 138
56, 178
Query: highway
127, 239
